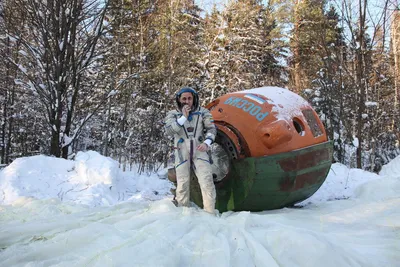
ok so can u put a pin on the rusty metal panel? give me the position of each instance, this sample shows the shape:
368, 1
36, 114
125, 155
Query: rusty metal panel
312, 122
271, 182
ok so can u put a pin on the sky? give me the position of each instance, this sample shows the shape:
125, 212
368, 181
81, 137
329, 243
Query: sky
208, 5
87, 212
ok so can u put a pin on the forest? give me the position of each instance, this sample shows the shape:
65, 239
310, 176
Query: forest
100, 75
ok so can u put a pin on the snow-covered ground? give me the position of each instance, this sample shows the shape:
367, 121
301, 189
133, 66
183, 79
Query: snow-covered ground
55, 212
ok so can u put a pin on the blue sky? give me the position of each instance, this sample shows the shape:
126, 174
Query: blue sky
208, 4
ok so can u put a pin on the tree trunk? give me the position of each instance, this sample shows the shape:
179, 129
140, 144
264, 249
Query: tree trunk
9, 98
54, 146
10, 124
395, 31
107, 133
3, 129
4, 123
361, 79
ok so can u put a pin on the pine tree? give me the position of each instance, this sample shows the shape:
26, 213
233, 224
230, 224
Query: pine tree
307, 37
159, 43
328, 84
244, 46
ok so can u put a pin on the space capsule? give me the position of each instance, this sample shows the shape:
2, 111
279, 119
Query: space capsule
271, 150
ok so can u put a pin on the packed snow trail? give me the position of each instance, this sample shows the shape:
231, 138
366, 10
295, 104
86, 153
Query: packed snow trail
341, 233
111, 218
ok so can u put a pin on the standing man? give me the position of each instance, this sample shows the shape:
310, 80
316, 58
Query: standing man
193, 130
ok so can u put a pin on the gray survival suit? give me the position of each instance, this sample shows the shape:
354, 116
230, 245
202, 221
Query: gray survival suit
198, 128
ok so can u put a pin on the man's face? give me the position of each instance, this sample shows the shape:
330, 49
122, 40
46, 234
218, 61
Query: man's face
186, 99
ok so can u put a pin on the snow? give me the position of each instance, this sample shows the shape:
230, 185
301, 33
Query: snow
392, 169
12, 38
286, 104
112, 93
18, 82
22, 52
61, 45
66, 140
87, 212
91, 180
22, 68
371, 104
355, 141
341, 183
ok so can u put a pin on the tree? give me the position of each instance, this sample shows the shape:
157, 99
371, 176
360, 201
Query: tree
352, 82
308, 35
244, 45
59, 48
329, 83
395, 40
157, 44
17, 118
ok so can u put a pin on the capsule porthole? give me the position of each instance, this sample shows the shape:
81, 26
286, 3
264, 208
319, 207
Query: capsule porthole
298, 125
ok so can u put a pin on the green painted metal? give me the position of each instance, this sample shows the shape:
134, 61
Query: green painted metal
271, 182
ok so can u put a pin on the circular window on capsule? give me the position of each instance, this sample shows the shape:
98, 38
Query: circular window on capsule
299, 126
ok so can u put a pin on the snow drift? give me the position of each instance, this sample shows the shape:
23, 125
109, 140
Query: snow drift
91, 179
353, 220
